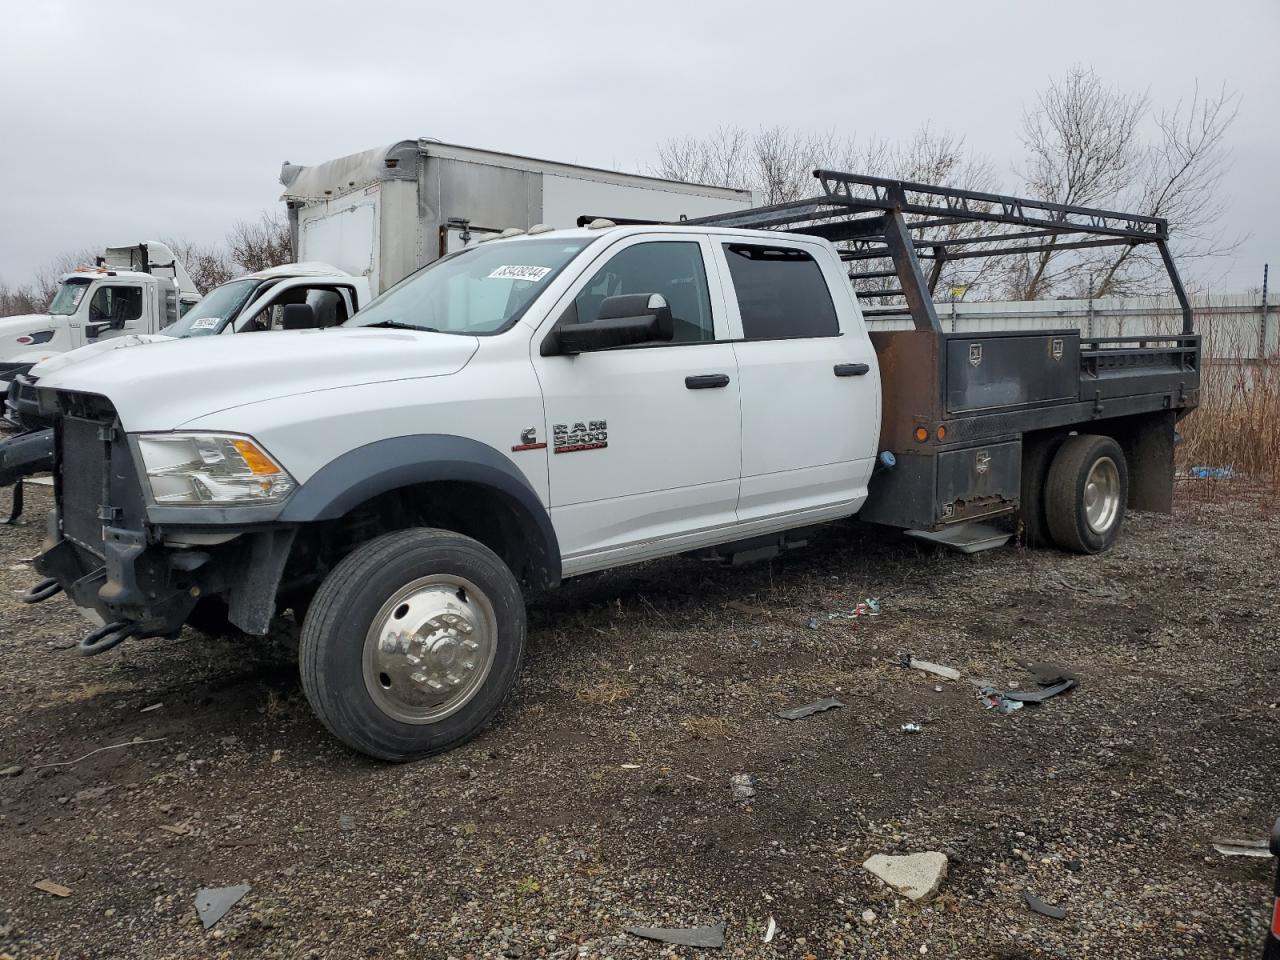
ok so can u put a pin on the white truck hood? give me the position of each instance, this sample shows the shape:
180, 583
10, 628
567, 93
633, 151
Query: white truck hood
172, 383
60, 361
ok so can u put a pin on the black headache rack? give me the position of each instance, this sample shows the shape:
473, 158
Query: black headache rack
958, 407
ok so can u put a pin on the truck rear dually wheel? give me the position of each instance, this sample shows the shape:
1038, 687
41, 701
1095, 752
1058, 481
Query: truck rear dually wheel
412, 643
1086, 493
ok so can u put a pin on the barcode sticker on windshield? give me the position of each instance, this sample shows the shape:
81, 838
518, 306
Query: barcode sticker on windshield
532, 274
204, 323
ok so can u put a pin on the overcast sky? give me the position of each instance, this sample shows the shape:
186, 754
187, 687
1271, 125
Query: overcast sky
145, 120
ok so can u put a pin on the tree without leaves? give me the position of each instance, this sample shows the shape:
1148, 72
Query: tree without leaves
257, 246
1093, 145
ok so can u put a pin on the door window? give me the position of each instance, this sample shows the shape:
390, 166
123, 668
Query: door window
115, 306
328, 303
781, 293
671, 268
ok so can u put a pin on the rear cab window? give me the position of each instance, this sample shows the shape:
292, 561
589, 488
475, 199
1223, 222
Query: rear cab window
781, 292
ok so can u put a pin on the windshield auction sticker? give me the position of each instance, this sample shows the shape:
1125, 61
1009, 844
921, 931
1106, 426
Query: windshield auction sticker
532, 274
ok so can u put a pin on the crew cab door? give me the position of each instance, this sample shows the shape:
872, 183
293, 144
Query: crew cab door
644, 440
809, 380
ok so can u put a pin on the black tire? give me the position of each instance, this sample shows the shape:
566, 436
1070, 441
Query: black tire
1066, 494
332, 652
1037, 455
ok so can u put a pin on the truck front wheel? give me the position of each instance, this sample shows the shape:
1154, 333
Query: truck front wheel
1086, 493
412, 643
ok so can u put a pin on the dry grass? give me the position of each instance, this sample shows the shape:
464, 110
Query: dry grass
1238, 422
603, 692
708, 728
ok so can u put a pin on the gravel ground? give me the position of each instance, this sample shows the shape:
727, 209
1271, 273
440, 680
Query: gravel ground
601, 799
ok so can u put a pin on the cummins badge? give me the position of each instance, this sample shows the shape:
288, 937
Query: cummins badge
975, 354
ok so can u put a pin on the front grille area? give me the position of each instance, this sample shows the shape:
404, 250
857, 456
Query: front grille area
82, 457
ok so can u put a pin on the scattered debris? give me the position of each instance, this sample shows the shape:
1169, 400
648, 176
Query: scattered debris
177, 829
743, 786
771, 930
917, 876
867, 608
57, 889
991, 697
809, 709
937, 669
346, 822
1041, 695
277, 756
912, 727
154, 706
1213, 473
1036, 905
14, 771
1242, 848
629, 766
212, 903
868, 916
137, 741
687, 937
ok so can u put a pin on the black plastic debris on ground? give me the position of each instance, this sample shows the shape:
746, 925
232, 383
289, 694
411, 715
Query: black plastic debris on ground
712, 937
212, 903
1036, 905
1046, 674
809, 709
1041, 695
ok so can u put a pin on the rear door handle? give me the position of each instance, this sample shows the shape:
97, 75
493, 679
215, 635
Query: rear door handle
852, 369
708, 381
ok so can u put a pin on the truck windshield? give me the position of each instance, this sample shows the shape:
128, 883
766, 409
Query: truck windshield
68, 297
211, 314
480, 290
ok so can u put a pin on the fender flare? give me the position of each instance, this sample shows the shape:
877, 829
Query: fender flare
385, 465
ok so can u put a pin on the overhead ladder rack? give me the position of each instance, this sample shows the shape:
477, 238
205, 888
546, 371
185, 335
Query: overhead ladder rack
877, 219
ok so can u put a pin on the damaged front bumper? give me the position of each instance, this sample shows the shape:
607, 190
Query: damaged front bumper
153, 585
137, 568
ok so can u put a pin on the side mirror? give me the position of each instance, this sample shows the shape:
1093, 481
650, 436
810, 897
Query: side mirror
299, 316
623, 321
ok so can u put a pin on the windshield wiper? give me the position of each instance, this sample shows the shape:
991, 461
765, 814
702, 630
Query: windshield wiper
398, 325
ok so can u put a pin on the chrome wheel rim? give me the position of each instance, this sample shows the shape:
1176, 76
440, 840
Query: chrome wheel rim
1102, 495
430, 648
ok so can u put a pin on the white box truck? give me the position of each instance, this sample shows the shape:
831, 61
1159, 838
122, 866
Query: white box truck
385, 212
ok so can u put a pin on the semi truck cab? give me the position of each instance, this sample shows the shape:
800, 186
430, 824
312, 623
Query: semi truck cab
140, 288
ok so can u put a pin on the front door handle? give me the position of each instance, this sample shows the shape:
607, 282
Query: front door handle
852, 369
708, 381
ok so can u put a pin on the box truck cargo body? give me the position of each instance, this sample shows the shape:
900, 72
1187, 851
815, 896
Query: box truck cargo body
384, 213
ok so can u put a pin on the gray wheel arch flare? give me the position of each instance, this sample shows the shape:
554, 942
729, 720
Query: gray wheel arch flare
385, 465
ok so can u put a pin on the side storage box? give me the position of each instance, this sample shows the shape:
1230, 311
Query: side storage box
979, 481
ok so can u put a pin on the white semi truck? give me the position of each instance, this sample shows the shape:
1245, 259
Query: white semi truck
139, 288
385, 212
540, 407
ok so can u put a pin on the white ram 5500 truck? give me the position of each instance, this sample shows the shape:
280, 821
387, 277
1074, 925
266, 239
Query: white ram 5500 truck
540, 407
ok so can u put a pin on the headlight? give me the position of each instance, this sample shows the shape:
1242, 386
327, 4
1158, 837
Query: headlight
211, 468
